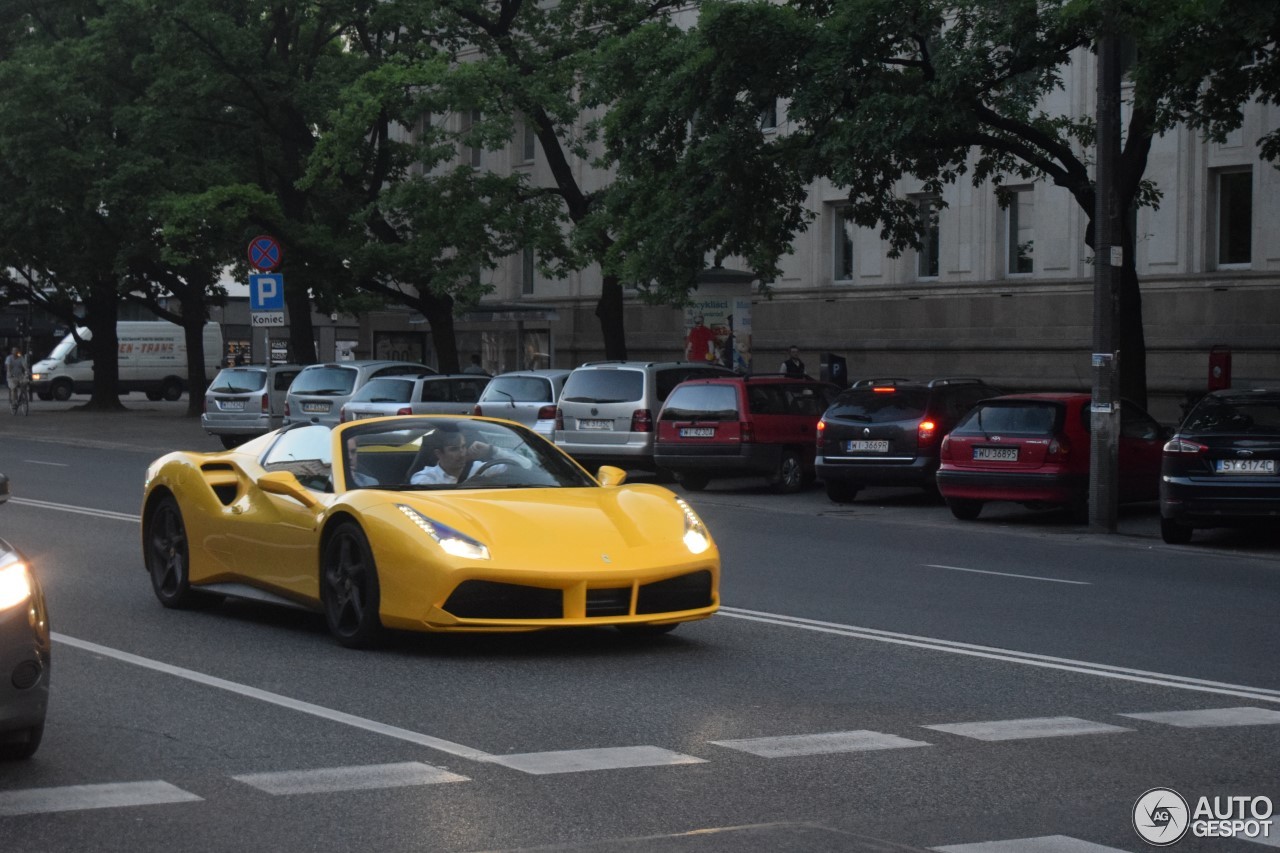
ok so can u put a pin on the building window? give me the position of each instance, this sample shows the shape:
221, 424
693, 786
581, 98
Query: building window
526, 271
1020, 233
842, 245
1235, 218
473, 154
769, 117
528, 142
927, 258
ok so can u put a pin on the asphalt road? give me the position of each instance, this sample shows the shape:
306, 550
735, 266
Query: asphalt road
882, 677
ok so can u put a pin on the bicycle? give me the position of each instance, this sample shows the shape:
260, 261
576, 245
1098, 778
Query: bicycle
20, 398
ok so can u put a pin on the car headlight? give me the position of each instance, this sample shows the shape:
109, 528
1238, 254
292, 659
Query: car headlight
36, 377
15, 585
696, 537
450, 541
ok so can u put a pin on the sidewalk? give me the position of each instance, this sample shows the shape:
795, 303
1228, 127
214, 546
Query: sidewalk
144, 425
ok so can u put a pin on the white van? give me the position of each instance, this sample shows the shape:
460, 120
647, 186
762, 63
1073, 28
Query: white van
153, 359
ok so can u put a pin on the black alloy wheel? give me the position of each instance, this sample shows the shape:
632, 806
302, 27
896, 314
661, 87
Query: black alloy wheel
790, 476
349, 588
61, 391
169, 560
1174, 533
842, 493
20, 745
691, 482
963, 509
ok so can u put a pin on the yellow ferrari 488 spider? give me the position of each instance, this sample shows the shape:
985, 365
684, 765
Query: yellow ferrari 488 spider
427, 524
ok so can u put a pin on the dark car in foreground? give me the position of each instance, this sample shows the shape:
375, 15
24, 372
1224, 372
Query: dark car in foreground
1033, 449
886, 432
24, 652
1222, 466
734, 426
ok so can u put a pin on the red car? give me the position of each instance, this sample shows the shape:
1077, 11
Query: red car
1033, 449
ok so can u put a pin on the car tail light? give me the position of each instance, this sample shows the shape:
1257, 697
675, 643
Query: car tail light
1059, 448
944, 451
642, 421
342, 415
478, 410
884, 389
822, 430
266, 405
286, 408
206, 406
546, 413
559, 418
1181, 445
926, 433
746, 432
405, 410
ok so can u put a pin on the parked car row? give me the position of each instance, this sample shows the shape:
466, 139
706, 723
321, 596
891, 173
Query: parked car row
959, 437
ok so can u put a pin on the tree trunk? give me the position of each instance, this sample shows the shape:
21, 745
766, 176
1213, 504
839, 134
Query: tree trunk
194, 317
612, 324
1131, 343
439, 313
102, 309
297, 299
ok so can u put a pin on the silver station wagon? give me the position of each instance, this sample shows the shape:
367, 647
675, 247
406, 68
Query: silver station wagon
246, 401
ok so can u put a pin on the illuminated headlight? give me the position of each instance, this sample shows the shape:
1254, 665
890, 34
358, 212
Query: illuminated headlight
450, 541
696, 537
15, 585
36, 377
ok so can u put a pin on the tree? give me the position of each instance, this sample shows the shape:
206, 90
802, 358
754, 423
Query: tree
879, 91
518, 62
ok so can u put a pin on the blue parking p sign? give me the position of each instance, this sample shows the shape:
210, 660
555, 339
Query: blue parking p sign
266, 292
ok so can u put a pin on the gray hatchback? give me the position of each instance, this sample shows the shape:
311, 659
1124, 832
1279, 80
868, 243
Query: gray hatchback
320, 390
246, 401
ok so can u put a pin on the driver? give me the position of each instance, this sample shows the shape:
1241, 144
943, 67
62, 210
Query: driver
455, 458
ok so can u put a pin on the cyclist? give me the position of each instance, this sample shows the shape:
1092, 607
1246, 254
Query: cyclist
15, 371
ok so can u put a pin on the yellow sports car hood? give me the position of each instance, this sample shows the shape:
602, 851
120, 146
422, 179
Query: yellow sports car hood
622, 527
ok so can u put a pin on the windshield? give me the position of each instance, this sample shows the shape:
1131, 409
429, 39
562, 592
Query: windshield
883, 406
1033, 418
418, 454
603, 386
1251, 415
517, 389
64, 346
331, 381
238, 380
384, 390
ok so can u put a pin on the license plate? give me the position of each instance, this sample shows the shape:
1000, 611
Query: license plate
697, 432
231, 405
999, 454
588, 424
315, 407
866, 447
1246, 466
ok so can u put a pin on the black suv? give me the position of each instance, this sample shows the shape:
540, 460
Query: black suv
887, 432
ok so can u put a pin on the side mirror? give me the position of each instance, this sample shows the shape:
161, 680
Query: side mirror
611, 476
286, 484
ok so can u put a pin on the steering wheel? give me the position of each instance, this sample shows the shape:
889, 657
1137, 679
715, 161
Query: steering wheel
485, 466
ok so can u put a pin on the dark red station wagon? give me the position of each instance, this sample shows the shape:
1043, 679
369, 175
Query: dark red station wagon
735, 426
1033, 449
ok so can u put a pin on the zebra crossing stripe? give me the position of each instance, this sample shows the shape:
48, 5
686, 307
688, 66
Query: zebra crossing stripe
367, 778
1043, 844
1212, 717
1036, 727
579, 760
80, 797
818, 744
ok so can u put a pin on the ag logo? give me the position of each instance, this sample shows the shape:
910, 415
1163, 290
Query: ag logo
1161, 817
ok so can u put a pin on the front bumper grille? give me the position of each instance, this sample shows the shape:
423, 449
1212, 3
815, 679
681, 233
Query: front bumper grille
491, 600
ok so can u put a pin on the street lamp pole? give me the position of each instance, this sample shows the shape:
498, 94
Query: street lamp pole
1108, 258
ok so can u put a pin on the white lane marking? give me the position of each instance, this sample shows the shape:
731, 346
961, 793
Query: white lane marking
1272, 840
331, 779
1034, 727
1213, 717
78, 797
579, 760
79, 510
40, 462
1043, 844
1261, 694
283, 701
818, 744
1005, 574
